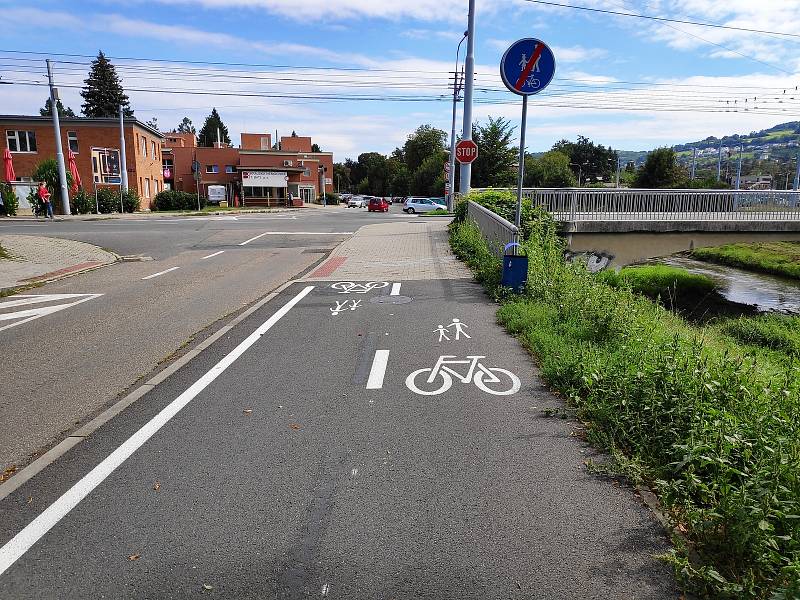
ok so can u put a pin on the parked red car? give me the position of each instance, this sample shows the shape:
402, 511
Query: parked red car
378, 205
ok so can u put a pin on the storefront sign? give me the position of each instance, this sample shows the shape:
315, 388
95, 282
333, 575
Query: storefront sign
106, 165
276, 179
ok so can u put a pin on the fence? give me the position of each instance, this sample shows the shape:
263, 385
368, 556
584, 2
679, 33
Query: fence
596, 204
495, 229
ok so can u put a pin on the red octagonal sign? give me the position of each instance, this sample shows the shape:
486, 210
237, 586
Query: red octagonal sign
466, 151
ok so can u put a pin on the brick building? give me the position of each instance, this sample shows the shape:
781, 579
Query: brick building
96, 144
254, 172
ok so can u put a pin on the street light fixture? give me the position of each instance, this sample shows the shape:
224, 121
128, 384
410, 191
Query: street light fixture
580, 170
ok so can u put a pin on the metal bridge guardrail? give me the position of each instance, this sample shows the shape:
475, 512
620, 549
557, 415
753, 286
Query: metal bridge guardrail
496, 230
628, 204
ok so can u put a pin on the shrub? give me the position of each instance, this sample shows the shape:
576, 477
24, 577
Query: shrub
82, 203
175, 200
108, 200
10, 200
332, 198
130, 201
37, 206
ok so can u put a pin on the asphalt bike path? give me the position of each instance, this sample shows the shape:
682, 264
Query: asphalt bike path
295, 465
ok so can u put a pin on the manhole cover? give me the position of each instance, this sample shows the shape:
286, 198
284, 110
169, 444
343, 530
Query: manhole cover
391, 300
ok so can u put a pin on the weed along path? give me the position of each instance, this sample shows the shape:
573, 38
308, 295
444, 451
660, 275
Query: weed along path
708, 417
349, 439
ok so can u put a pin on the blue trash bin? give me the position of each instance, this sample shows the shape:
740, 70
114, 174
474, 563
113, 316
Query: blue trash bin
515, 269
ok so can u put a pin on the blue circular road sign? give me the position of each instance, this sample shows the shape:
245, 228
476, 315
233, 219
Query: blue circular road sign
528, 66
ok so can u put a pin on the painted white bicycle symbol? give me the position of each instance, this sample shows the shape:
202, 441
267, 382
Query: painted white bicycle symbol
347, 287
502, 382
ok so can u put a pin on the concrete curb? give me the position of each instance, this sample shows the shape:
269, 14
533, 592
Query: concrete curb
27, 473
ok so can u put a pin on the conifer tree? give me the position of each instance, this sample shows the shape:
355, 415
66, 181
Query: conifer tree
47, 110
208, 134
103, 93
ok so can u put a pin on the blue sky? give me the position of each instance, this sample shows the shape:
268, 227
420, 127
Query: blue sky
616, 76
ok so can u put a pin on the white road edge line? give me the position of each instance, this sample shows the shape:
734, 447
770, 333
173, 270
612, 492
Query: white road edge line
213, 255
395, 289
36, 529
375, 381
160, 273
252, 239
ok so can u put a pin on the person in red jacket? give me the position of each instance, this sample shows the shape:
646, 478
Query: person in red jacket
44, 196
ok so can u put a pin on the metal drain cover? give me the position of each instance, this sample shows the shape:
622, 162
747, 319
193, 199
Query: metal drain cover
390, 300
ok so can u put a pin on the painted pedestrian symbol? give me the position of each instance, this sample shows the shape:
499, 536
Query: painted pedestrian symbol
458, 330
345, 305
348, 287
492, 380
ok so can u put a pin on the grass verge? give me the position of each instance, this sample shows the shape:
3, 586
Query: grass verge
4, 254
776, 258
712, 425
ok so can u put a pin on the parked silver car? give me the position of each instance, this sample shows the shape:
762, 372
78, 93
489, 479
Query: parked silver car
419, 205
357, 202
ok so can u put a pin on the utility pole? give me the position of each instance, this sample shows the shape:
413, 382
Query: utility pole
739, 167
719, 161
122, 155
694, 161
451, 177
62, 171
797, 174
469, 80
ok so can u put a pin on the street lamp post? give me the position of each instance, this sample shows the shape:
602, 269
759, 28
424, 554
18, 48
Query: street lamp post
580, 171
451, 179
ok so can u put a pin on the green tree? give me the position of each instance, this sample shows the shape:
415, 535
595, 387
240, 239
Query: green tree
208, 133
315, 148
399, 178
660, 170
47, 110
497, 157
373, 168
153, 123
341, 174
428, 179
551, 169
425, 142
186, 126
597, 163
103, 93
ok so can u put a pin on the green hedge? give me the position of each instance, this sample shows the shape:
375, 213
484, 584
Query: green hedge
711, 425
175, 200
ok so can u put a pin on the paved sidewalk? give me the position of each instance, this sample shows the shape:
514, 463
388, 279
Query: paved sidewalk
35, 259
394, 251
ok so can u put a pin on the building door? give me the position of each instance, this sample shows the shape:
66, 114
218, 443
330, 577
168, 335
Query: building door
307, 194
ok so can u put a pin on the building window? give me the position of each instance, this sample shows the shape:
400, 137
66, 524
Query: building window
21, 141
230, 168
146, 188
265, 143
72, 140
153, 147
212, 168
143, 146
155, 187
287, 163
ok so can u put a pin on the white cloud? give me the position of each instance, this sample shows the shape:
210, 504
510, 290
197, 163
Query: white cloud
426, 34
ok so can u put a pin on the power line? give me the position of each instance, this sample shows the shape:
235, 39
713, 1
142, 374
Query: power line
663, 19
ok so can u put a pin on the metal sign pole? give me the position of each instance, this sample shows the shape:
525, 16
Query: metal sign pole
521, 175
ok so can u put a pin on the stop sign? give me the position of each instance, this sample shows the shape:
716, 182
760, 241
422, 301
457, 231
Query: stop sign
466, 151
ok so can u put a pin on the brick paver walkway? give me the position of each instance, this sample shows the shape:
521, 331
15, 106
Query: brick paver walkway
397, 251
36, 258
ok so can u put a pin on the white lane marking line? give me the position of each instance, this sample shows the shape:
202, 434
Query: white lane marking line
252, 239
325, 589
160, 273
36, 529
375, 381
35, 313
213, 255
395, 289
307, 233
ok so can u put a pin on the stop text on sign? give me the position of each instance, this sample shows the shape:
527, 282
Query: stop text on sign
466, 151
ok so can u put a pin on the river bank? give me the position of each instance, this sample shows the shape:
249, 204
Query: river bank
777, 258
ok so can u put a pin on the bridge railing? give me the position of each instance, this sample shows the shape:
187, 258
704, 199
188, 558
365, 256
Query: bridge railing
496, 230
599, 204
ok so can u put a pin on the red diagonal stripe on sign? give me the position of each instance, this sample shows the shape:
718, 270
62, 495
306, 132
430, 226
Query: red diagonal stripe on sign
529, 67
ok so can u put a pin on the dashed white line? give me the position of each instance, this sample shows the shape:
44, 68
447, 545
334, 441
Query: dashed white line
260, 235
36, 529
376, 374
395, 289
252, 239
213, 255
160, 273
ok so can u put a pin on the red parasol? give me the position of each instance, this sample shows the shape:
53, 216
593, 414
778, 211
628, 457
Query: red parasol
9, 164
73, 169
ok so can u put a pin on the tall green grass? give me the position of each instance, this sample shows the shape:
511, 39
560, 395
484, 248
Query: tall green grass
660, 281
777, 258
715, 432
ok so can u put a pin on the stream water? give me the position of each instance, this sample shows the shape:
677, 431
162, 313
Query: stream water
767, 293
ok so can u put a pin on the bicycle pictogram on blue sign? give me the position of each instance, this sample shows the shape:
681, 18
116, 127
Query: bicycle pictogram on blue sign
528, 66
